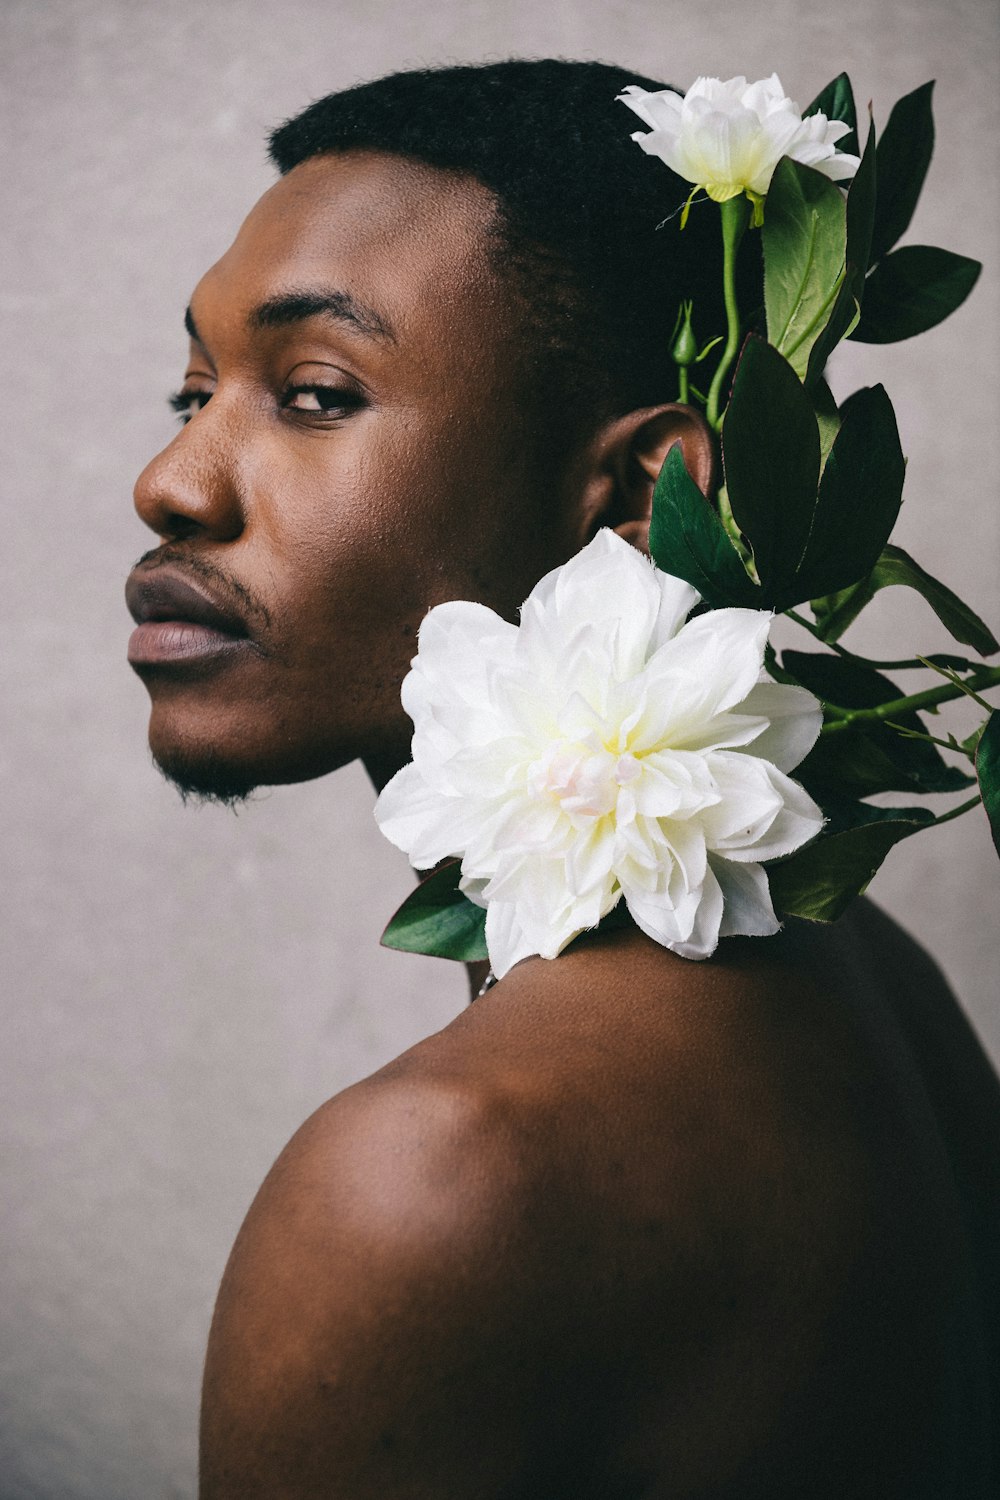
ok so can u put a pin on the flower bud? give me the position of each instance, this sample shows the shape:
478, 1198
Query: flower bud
685, 349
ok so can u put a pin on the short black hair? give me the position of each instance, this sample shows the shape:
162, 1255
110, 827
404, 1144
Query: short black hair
579, 205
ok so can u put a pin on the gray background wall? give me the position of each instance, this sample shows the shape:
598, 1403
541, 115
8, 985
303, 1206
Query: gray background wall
183, 986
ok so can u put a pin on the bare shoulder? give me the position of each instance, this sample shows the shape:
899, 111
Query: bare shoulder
567, 1230
363, 1304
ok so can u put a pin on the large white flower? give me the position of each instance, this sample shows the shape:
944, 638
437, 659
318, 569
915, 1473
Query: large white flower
729, 137
603, 750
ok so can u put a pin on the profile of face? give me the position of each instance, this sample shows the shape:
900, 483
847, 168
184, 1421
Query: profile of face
353, 451
356, 447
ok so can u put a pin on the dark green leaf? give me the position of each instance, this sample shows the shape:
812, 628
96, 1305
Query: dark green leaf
841, 323
912, 290
904, 154
860, 217
858, 501
439, 920
861, 199
805, 242
868, 757
840, 680
896, 567
820, 881
687, 539
836, 101
843, 813
988, 772
770, 451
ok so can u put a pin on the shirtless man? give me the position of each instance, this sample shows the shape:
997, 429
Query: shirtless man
631, 1226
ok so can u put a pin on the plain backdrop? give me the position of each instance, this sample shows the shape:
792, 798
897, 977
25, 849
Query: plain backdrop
183, 986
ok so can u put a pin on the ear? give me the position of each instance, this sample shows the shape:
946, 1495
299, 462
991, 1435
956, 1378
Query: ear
626, 458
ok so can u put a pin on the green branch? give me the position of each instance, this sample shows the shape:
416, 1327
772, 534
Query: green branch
956, 812
847, 718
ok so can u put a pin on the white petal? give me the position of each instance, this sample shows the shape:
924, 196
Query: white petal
418, 820
506, 941
763, 814
677, 600
607, 593
711, 665
459, 645
747, 910
465, 632
704, 938
660, 108
667, 923
690, 928
795, 719
590, 858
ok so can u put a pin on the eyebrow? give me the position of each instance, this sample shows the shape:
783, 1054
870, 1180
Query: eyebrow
295, 307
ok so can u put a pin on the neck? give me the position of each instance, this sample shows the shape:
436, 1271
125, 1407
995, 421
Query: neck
477, 973
382, 766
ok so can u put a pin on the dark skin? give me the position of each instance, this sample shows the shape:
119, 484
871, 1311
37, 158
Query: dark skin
630, 1226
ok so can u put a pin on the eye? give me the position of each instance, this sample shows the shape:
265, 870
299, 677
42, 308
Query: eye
324, 400
188, 404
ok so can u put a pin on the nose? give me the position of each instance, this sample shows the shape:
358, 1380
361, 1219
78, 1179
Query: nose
192, 487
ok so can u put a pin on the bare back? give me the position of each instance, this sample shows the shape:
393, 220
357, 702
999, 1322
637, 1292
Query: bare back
635, 1227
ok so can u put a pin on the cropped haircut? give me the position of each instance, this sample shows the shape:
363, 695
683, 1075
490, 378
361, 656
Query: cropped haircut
581, 211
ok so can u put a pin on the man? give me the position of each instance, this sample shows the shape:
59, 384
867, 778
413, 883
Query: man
630, 1226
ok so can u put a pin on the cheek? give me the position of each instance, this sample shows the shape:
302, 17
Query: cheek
331, 539
358, 532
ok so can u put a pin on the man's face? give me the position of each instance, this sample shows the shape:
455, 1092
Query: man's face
357, 451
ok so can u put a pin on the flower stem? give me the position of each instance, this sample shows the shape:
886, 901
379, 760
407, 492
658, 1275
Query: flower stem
846, 718
956, 812
735, 216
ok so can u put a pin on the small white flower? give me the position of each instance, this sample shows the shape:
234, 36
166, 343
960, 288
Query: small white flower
728, 137
603, 750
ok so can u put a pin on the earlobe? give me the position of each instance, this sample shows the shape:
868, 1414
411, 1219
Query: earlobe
634, 448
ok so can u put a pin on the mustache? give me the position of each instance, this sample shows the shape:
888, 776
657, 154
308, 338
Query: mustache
175, 555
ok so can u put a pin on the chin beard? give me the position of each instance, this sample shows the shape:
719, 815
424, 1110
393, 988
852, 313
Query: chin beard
207, 778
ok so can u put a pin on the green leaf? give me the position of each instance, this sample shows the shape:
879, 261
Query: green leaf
860, 218
912, 290
862, 196
858, 500
770, 452
827, 417
904, 154
843, 681
843, 813
439, 920
868, 757
805, 243
820, 881
988, 773
836, 101
896, 567
687, 539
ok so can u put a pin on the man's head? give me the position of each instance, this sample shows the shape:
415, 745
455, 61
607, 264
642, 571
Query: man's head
433, 361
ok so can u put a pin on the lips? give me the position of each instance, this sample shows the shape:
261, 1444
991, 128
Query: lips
180, 622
